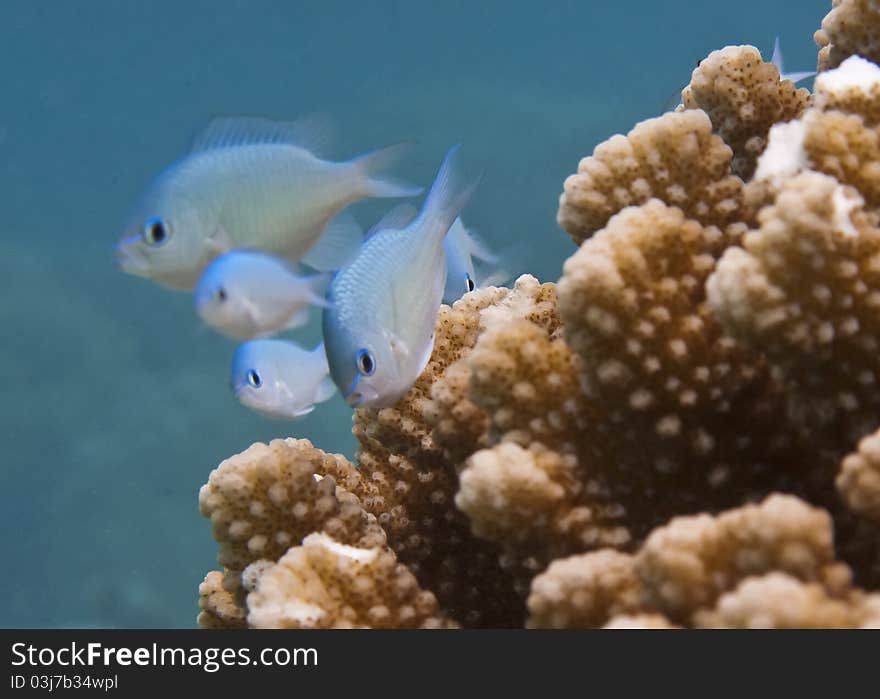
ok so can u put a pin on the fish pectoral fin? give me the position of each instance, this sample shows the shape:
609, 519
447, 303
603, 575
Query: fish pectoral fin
298, 319
338, 245
313, 133
219, 241
326, 389
429, 350
399, 348
397, 219
303, 412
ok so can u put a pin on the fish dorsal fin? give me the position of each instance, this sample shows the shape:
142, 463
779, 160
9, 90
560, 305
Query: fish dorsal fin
313, 132
399, 217
338, 245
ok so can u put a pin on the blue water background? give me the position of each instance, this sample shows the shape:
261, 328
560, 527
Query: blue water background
114, 404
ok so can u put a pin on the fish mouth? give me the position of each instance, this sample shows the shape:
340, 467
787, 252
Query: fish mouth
128, 260
361, 398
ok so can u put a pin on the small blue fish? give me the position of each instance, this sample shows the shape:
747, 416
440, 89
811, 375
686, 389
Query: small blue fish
777, 61
379, 329
245, 294
280, 379
252, 183
463, 248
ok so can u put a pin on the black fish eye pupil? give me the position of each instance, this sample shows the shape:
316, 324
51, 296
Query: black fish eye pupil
365, 362
155, 232
221, 293
254, 379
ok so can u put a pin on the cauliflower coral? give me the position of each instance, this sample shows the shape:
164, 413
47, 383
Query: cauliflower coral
684, 431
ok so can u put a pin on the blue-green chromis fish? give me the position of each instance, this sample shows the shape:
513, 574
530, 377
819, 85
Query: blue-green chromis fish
777, 60
280, 379
245, 294
379, 328
252, 183
463, 250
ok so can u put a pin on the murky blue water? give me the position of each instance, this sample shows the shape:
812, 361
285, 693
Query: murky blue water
114, 403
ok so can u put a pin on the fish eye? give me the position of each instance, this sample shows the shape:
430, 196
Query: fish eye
365, 363
470, 282
221, 294
253, 378
155, 232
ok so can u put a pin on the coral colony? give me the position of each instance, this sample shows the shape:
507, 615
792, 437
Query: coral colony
677, 433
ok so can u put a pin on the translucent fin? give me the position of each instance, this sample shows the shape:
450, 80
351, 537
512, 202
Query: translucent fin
376, 184
776, 59
797, 77
399, 349
449, 194
318, 285
499, 271
298, 319
429, 350
399, 217
313, 132
671, 102
326, 390
494, 278
219, 241
479, 250
338, 245
320, 355
326, 387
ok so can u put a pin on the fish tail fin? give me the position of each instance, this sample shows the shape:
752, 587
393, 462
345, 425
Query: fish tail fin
371, 171
449, 194
479, 249
501, 270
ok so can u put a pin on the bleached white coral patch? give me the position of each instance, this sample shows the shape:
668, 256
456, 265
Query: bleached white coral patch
321, 540
855, 73
785, 155
845, 201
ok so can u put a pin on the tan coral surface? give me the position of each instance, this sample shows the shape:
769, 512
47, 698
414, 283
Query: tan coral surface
743, 97
653, 442
674, 158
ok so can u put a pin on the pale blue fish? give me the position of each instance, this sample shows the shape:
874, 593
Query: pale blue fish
464, 252
246, 294
462, 248
280, 379
777, 61
379, 328
252, 183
